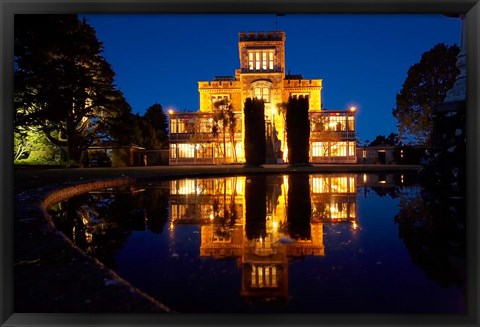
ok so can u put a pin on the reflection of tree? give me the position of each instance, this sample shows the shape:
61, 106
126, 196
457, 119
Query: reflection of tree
433, 230
299, 206
255, 206
100, 223
224, 218
274, 190
225, 213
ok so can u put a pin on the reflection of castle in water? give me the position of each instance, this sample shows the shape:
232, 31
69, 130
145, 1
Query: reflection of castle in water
263, 235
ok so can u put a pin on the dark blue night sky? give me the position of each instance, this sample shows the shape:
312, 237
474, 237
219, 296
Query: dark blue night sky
362, 59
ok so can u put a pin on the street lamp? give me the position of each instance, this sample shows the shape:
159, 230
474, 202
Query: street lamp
353, 108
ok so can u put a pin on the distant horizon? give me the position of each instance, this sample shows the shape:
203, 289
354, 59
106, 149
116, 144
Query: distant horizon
362, 59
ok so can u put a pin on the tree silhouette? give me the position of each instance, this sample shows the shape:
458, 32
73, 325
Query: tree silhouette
254, 113
298, 130
426, 85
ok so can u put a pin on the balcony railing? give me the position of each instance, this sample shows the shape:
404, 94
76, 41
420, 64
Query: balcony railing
201, 137
342, 159
344, 135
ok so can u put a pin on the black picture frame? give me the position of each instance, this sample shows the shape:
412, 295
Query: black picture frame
9, 8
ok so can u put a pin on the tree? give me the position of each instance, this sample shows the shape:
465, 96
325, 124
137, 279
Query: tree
391, 140
426, 85
159, 121
63, 84
224, 120
254, 143
255, 206
299, 209
31, 146
298, 130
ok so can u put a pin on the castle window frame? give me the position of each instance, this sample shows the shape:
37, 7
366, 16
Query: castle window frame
262, 93
261, 59
262, 90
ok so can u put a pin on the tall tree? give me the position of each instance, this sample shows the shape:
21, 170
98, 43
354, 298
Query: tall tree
254, 143
159, 121
63, 84
426, 85
298, 130
299, 208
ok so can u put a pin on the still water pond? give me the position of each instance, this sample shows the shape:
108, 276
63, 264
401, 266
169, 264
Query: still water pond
279, 243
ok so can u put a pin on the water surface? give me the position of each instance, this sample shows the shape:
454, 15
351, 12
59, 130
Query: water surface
279, 243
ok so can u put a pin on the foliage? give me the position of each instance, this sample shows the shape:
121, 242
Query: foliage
224, 120
299, 208
298, 130
391, 140
63, 84
254, 143
148, 131
426, 85
255, 206
158, 120
431, 224
31, 146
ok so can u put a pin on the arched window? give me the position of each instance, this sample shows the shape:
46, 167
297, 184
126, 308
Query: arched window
262, 93
262, 90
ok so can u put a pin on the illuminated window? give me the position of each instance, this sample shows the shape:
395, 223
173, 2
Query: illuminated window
173, 126
204, 151
261, 59
319, 185
337, 123
173, 150
186, 150
185, 125
351, 123
262, 92
318, 149
351, 148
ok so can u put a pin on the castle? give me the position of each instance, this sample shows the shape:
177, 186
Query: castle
261, 75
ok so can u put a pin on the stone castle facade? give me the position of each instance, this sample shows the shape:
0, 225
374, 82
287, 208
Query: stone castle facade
261, 75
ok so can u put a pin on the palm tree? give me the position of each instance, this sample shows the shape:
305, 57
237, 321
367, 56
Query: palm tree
224, 118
